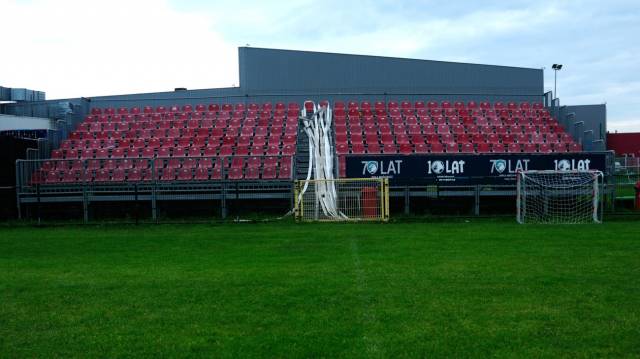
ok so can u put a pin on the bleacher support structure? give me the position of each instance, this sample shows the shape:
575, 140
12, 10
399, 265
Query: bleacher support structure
217, 151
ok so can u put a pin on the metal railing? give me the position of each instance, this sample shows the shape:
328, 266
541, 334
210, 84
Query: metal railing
152, 180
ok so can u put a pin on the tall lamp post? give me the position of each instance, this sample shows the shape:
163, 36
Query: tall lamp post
556, 68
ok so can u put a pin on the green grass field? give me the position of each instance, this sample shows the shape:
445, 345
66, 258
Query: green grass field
452, 289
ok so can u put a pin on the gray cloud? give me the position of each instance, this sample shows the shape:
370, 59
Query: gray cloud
595, 40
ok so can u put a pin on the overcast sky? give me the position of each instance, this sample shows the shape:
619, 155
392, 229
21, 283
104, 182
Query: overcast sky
72, 48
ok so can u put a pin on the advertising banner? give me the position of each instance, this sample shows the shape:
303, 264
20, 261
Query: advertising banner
467, 169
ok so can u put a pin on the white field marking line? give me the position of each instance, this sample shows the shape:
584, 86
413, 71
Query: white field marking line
369, 317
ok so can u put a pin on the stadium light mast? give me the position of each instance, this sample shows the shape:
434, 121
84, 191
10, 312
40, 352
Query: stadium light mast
556, 68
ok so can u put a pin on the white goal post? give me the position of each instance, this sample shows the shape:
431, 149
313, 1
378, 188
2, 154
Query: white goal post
559, 197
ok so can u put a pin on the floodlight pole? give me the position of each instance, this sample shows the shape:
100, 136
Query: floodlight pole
555, 83
556, 68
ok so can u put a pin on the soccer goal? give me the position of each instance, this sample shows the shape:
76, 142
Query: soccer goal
559, 197
342, 199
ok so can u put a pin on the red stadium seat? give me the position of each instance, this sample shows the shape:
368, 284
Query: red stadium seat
447, 138
545, 148
552, 138
284, 172
342, 149
57, 154
530, 148
560, 147
235, 174
288, 150
416, 139
168, 174
102, 176
202, 174
483, 147
386, 139
269, 172
389, 148
575, 147
124, 164
134, 175
421, 148
185, 174
384, 129
514, 148
452, 147
467, 148
406, 148
179, 152
188, 163
508, 139
373, 147
204, 163
402, 139
252, 173
428, 129
118, 175
254, 162
357, 148
70, 176
436, 147
142, 163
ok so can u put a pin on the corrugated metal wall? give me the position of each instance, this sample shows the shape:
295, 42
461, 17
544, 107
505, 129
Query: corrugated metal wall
295, 76
588, 123
313, 73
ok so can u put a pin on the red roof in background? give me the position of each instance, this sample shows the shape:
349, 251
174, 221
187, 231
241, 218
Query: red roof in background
624, 143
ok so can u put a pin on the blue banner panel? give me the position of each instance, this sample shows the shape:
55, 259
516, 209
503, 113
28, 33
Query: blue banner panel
464, 169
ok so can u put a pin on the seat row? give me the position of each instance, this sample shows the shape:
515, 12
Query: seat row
355, 115
189, 132
147, 163
267, 106
458, 105
445, 120
455, 147
441, 129
166, 174
210, 141
279, 106
448, 137
182, 124
192, 151
185, 116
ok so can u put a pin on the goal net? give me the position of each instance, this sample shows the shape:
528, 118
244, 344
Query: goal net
559, 197
342, 199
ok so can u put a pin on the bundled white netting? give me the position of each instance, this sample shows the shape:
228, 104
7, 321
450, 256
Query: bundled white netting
317, 127
559, 197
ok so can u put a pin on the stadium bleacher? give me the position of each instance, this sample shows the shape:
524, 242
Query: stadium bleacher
259, 141
433, 127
